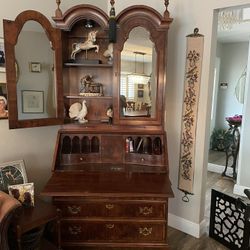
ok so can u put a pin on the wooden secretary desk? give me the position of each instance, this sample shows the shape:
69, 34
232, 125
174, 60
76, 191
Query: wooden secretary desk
110, 175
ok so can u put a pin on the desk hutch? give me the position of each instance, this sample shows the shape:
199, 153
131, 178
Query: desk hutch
110, 175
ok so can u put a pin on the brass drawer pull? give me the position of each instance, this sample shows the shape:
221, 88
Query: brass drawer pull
146, 210
74, 209
142, 159
145, 231
109, 206
75, 230
110, 226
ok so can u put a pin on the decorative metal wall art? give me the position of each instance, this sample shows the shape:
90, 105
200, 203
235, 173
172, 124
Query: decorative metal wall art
194, 55
229, 221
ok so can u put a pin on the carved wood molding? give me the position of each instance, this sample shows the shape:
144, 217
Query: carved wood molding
79, 12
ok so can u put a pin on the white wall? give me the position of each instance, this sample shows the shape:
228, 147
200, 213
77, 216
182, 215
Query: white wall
36, 145
233, 63
188, 15
243, 180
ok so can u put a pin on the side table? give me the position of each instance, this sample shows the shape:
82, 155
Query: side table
34, 217
232, 149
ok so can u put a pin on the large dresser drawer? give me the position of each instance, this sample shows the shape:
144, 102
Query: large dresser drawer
78, 231
125, 209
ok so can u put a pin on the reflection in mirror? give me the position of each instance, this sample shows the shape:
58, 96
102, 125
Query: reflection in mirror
240, 87
138, 83
35, 84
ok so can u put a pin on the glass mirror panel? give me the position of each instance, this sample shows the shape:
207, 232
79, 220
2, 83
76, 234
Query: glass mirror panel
35, 82
138, 83
240, 87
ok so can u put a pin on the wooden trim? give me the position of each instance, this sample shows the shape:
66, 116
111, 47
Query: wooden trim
79, 12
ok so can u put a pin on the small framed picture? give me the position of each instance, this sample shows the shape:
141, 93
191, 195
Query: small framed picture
12, 173
140, 86
140, 93
32, 101
35, 67
23, 193
3, 102
2, 55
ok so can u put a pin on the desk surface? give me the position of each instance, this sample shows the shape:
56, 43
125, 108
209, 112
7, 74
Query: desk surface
108, 184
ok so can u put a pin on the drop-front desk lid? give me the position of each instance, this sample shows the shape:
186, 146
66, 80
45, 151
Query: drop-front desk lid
106, 184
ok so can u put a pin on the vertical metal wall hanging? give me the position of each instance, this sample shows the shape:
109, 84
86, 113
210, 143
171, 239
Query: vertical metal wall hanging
195, 43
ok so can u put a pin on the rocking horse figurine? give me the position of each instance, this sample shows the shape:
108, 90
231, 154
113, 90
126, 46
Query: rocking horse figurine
89, 44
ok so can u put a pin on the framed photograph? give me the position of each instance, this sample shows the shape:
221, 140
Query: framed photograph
3, 102
35, 67
32, 101
140, 86
2, 55
23, 193
140, 93
12, 173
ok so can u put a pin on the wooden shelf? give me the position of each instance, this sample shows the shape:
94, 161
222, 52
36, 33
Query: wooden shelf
100, 65
87, 97
71, 121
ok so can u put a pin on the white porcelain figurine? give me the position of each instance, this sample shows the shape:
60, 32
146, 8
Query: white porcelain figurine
78, 111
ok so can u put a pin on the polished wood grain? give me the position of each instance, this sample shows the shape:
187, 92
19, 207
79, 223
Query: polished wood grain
111, 197
33, 217
108, 184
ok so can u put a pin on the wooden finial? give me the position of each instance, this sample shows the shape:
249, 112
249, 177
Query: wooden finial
112, 2
58, 11
166, 13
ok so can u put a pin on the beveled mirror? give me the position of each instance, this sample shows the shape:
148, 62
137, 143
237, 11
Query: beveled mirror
35, 86
140, 52
34, 96
138, 83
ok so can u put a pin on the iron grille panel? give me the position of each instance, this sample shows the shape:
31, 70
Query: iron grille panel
229, 224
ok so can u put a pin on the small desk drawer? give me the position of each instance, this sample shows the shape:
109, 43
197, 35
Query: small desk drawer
114, 209
144, 159
114, 231
69, 159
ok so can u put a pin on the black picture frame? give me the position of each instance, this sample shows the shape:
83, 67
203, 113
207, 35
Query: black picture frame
2, 55
140, 86
12, 173
140, 93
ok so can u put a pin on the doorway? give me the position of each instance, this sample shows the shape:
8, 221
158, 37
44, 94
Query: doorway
229, 82
231, 64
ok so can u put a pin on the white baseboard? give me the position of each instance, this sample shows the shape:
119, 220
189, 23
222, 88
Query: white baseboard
218, 168
186, 226
239, 190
